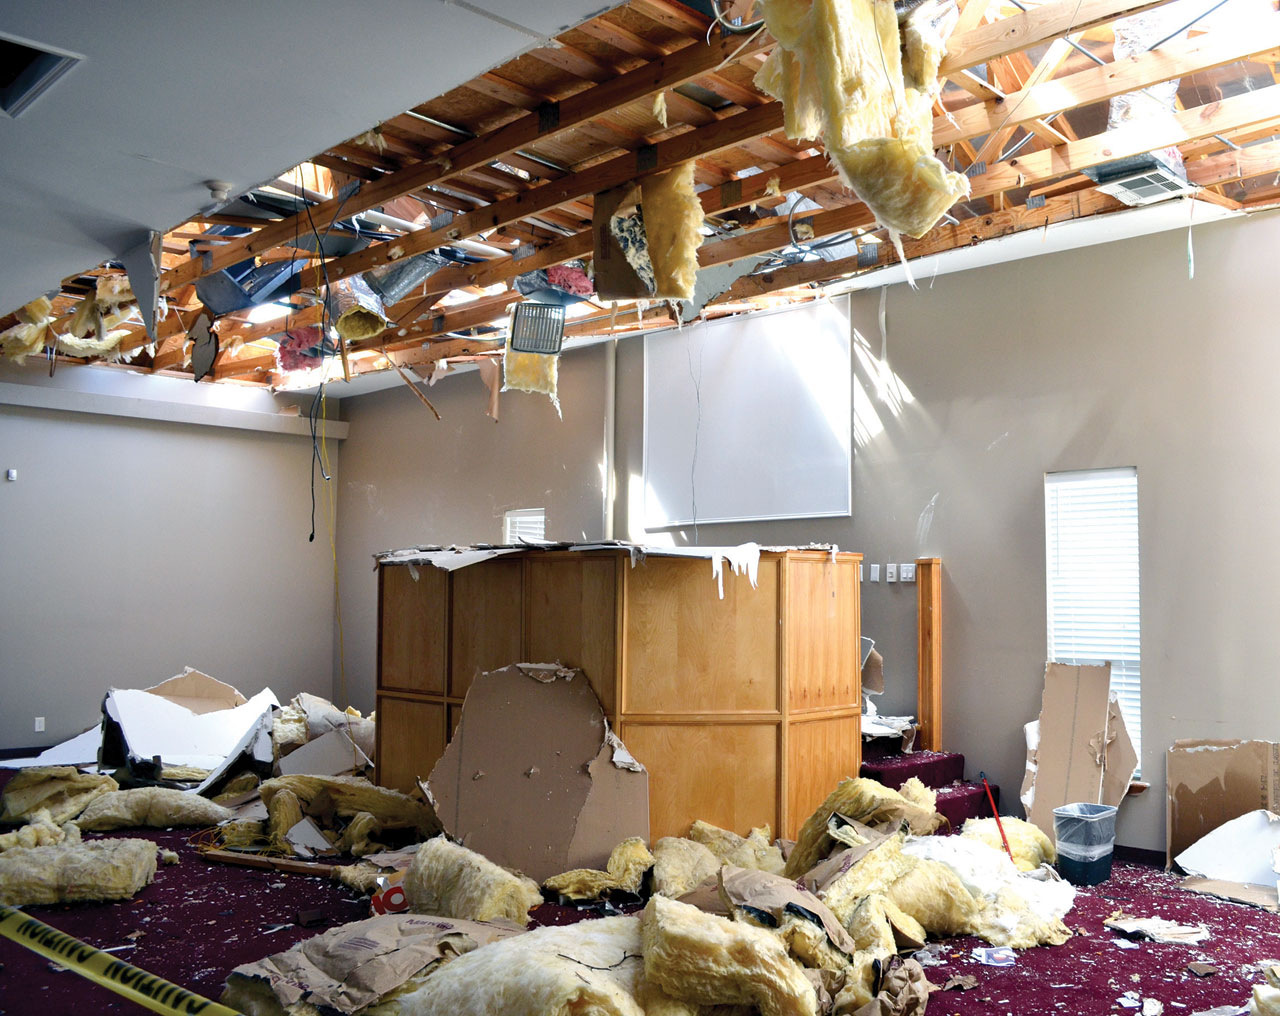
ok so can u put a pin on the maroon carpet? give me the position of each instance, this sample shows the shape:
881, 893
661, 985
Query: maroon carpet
199, 920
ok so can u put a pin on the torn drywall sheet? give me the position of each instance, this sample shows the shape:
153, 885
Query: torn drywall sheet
80, 751
322, 716
328, 755
1262, 896
1211, 782
712, 282
872, 669
142, 726
1083, 752
387, 952
446, 559
1242, 850
530, 778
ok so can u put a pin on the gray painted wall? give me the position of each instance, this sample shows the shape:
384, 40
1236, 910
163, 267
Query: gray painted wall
135, 548
410, 480
1091, 358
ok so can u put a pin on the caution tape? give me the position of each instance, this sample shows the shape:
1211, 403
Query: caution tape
155, 993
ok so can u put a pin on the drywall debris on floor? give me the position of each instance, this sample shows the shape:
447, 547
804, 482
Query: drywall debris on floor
1244, 851
62, 791
1157, 929
191, 720
536, 732
1079, 750
1211, 782
357, 964
452, 881
331, 754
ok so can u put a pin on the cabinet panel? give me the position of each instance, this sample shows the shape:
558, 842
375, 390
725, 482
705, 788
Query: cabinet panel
411, 739
412, 646
822, 624
485, 620
689, 651
820, 753
725, 774
571, 618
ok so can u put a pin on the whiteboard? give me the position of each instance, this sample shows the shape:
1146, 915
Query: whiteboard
749, 418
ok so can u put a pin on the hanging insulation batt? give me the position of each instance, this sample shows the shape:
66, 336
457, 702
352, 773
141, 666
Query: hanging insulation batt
452, 881
672, 226
838, 70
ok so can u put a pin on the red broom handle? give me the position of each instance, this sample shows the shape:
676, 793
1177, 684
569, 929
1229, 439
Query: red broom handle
999, 824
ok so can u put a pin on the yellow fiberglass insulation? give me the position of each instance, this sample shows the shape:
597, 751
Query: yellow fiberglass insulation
879, 927
351, 795
838, 71
752, 851
917, 793
672, 227
284, 811
41, 831
451, 881
63, 791
680, 866
593, 968
706, 960
30, 333
627, 864
1031, 847
159, 807
357, 839
861, 800
531, 372
72, 871
288, 730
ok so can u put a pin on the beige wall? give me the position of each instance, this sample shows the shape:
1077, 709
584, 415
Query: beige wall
1099, 357
410, 480
134, 548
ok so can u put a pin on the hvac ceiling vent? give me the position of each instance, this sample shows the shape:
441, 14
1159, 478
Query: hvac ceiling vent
27, 72
1141, 180
537, 327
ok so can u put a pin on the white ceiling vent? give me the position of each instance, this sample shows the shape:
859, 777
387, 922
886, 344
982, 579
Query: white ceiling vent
1141, 180
26, 72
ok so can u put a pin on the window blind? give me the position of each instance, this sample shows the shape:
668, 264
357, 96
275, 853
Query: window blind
1091, 541
524, 524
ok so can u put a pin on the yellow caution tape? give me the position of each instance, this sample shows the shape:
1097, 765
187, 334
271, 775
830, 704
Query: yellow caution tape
155, 993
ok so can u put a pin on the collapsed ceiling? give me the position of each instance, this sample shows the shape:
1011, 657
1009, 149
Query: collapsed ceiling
456, 210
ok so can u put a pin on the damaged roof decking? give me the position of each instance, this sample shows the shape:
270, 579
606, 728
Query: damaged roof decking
516, 154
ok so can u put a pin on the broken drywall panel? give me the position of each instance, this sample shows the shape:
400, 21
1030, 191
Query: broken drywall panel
444, 558
142, 726
531, 778
142, 262
307, 839
620, 257
80, 751
712, 282
1242, 850
1210, 782
872, 671
328, 755
1262, 896
1083, 752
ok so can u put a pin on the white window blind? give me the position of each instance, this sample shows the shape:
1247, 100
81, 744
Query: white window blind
1091, 542
524, 524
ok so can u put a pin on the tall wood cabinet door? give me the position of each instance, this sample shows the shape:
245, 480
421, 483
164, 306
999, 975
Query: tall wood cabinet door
411, 739
412, 648
571, 618
822, 627
485, 626
689, 650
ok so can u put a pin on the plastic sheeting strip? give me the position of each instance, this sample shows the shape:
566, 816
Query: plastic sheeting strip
135, 984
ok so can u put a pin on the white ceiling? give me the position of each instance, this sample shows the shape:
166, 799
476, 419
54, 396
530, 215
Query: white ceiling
170, 94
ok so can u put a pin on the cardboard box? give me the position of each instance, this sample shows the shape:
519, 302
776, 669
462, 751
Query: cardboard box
534, 779
1211, 782
1079, 750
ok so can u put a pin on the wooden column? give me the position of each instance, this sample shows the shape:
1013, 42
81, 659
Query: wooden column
929, 652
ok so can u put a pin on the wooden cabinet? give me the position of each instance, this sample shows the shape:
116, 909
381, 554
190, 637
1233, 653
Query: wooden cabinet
744, 708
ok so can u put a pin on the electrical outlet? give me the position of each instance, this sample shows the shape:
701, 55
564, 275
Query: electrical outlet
907, 571
39, 724
891, 573
875, 573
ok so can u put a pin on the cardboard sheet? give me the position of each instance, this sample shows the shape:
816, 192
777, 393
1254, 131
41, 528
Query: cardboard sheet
1211, 782
1083, 752
384, 952
532, 780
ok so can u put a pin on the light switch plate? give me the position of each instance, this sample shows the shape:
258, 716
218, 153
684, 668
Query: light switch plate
907, 571
891, 573
875, 573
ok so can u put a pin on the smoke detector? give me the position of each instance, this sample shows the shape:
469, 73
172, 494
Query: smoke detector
1142, 179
